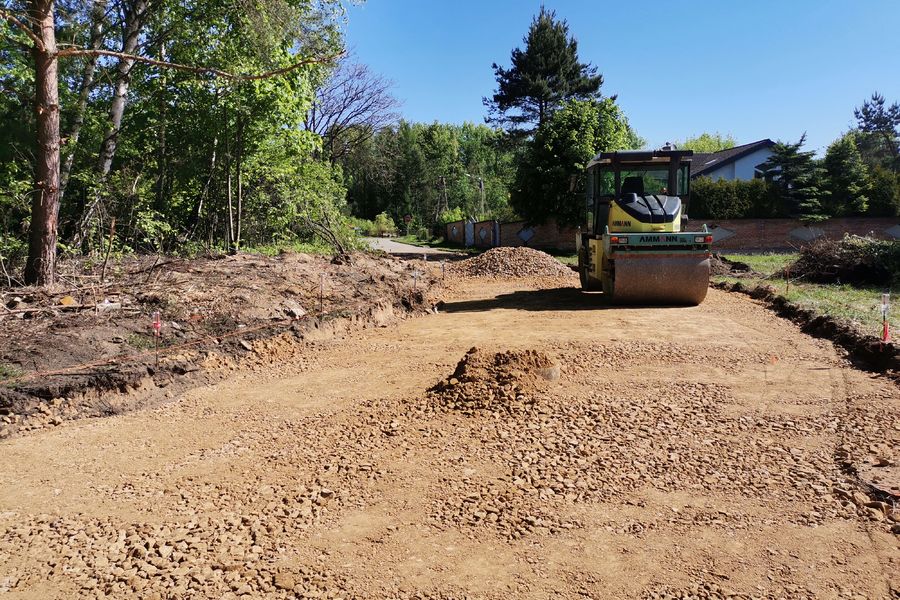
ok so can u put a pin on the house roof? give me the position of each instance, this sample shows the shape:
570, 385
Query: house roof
704, 162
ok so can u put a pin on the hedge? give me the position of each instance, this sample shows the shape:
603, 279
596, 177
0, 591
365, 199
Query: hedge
735, 199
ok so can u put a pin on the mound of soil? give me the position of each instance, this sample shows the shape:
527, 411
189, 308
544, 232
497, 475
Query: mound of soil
88, 334
720, 265
511, 262
510, 381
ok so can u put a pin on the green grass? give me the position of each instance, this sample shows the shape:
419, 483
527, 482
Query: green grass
9, 372
861, 305
767, 264
439, 243
566, 257
141, 341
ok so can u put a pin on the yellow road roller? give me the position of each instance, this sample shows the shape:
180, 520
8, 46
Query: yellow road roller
633, 245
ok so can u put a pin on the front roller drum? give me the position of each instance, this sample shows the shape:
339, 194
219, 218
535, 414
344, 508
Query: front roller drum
660, 278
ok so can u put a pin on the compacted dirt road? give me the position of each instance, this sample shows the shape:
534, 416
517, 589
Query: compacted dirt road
706, 452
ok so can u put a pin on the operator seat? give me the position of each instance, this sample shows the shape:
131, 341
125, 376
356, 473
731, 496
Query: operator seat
633, 185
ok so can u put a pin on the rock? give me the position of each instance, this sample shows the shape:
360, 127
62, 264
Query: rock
246, 345
284, 581
294, 310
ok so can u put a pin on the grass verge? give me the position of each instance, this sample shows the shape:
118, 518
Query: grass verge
861, 305
438, 243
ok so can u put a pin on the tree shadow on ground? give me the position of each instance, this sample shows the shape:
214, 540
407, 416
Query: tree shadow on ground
552, 299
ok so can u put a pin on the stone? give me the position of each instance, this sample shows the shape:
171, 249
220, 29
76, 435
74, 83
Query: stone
284, 581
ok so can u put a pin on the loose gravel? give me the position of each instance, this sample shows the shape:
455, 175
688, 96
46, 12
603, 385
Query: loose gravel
511, 262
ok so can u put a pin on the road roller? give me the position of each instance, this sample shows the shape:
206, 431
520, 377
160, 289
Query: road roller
634, 245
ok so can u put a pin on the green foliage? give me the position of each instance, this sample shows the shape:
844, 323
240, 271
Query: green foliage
384, 225
879, 125
550, 179
185, 138
733, 199
418, 230
424, 170
848, 178
452, 215
543, 76
708, 142
799, 179
8, 371
884, 193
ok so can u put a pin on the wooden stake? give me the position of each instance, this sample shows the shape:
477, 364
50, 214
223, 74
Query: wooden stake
112, 232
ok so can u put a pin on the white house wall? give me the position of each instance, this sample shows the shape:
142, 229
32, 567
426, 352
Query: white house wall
743, 168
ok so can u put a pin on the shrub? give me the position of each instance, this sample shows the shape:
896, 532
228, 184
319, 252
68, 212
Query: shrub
856, 260
884, 193
384, 225
734, 199
452, 215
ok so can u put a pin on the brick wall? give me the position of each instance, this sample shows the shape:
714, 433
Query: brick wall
456, 232
731, 234
780, 234
485, 232
545, 236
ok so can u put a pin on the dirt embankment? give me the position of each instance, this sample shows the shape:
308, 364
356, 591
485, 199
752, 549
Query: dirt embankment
87, 348
867, 350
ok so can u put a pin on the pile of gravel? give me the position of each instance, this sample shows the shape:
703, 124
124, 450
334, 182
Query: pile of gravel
509, 381
511, 262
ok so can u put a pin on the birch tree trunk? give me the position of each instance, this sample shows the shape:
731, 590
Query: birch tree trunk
98, 12
134, 22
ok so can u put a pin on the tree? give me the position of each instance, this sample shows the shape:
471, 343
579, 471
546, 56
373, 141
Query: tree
884, 195
426, 170
34, 30
848, 178
550, 179
880, 124
349, 108
542, 77
708, 142
40, 267
797, 178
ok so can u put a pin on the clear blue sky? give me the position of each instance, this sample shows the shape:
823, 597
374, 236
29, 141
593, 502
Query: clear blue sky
755, 69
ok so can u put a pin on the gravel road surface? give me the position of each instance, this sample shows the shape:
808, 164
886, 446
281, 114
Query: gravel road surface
706, 452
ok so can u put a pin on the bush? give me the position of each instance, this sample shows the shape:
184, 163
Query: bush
452, 215
734, 199
856, 260
884, 193
384, 225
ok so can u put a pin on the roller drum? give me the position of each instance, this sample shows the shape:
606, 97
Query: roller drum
660, 278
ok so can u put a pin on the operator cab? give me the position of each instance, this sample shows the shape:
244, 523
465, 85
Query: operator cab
650, 187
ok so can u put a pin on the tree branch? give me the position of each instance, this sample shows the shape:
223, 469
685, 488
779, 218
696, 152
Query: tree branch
198, 70
38, 42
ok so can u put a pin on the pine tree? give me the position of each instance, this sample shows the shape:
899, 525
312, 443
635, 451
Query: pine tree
848, 178
543, 76
550, 178
797, 177
880, 126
